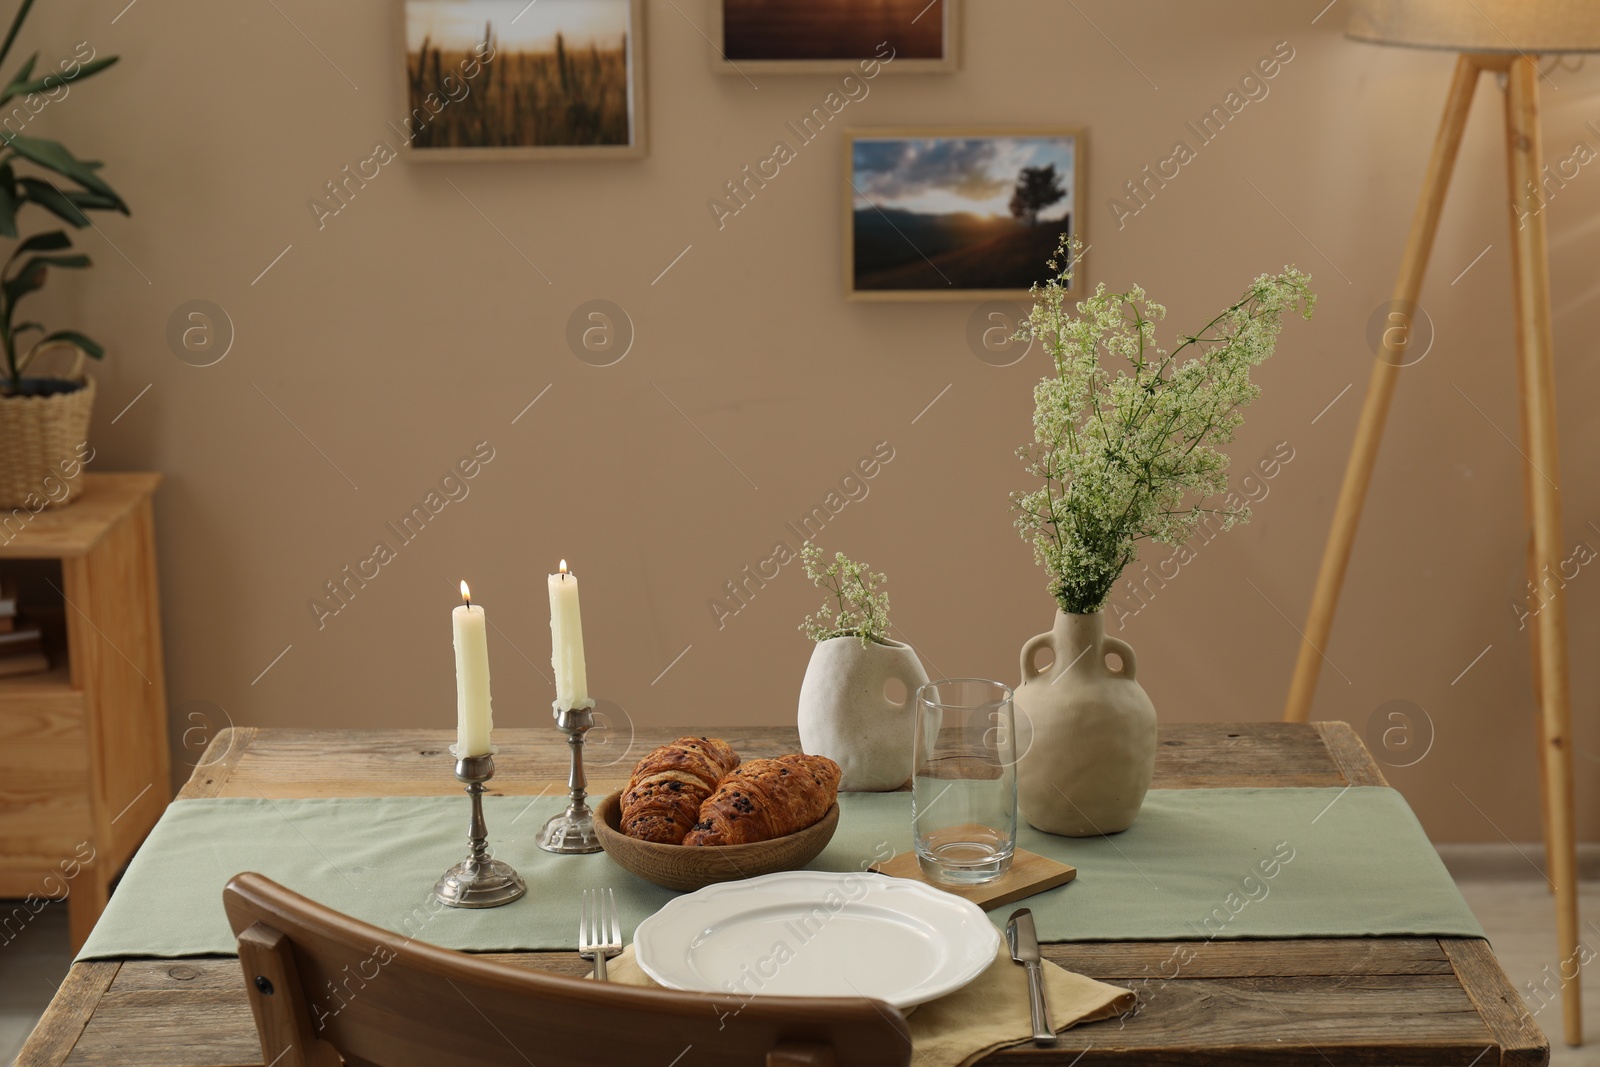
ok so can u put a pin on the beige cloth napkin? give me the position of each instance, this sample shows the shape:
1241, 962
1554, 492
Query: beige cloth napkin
990, 1013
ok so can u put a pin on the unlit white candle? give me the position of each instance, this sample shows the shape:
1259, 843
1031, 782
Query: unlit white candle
566, 642
474, 719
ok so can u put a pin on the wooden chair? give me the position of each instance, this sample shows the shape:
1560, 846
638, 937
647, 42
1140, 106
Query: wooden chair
325, 987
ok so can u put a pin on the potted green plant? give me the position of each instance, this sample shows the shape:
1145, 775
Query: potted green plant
44, 421
1124, 448
845, 712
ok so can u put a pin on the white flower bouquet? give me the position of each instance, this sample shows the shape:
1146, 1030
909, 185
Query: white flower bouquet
1125, 432
858, 609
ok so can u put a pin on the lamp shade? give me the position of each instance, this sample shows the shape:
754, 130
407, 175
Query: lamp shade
1536, 27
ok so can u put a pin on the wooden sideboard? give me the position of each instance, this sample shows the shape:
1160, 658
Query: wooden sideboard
84, 763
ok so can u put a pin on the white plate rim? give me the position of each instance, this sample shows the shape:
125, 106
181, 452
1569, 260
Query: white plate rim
645, 932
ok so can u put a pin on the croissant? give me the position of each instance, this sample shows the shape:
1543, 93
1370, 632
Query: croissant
664, 794
767, 798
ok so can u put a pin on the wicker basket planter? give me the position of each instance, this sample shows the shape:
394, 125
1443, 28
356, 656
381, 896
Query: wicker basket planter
40, 443
44, 418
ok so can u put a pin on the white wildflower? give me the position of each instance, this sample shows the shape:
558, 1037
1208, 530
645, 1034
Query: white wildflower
858, 609
1131, 455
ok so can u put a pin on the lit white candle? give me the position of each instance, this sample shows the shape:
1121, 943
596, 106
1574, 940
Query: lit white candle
566, 642
474, 720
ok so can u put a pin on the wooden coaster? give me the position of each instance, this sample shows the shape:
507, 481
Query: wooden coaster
1030, 873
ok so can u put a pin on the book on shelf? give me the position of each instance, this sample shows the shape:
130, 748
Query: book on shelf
25, 663
21, 642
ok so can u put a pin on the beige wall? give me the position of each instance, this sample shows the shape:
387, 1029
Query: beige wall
408, 329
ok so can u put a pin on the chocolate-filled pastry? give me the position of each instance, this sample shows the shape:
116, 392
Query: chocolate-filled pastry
668, 786
767, 798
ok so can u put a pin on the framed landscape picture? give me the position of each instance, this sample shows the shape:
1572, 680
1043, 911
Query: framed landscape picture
822, 36
940, 214
510, 79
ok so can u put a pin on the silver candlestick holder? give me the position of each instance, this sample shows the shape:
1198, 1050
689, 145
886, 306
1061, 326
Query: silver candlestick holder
572, 831
479, 881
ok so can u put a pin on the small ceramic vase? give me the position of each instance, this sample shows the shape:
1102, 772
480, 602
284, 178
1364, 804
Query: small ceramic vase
846, 715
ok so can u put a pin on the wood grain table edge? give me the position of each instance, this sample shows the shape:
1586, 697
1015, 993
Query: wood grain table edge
1480, 974
1351, 755
1473, 964
1522, 1043
210, 775
74, 1004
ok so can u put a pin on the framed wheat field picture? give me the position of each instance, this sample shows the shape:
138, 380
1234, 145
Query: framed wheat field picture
834, 36
955, 214
513, 79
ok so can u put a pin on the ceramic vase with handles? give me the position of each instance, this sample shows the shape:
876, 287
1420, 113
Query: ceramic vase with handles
1091, 748
846, 715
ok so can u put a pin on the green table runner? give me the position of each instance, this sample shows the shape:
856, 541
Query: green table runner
1198, 864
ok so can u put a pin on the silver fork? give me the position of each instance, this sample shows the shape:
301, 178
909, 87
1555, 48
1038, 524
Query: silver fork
599, 930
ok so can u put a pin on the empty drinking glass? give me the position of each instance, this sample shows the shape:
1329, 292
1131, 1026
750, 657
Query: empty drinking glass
964, 794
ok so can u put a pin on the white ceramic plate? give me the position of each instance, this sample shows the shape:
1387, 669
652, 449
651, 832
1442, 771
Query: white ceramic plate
818, 934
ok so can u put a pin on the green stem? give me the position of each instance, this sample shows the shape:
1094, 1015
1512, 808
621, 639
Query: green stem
16, 24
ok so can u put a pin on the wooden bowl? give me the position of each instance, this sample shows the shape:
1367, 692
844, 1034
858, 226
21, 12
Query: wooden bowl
691, 867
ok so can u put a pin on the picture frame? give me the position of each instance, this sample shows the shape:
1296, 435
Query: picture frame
751, 51
592, 97
896, 180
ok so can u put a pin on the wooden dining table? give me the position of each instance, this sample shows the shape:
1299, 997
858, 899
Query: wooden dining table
1331, 1002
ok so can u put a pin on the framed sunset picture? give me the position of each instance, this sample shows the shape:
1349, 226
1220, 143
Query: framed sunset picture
509, 79
940, 214
823, 36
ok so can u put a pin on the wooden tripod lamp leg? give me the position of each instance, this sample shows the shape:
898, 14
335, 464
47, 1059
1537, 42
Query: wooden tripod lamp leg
1380, 390
1536, 370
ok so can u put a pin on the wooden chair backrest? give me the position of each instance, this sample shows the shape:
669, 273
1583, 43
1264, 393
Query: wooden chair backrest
324, 986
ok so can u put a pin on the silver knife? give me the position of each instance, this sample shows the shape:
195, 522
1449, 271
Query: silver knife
1024, 943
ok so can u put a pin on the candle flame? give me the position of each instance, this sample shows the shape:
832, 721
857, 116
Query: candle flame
466, 594
563, 568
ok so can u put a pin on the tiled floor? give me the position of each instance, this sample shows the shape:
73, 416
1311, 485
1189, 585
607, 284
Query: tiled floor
1514, 907
32, 964
1518, 914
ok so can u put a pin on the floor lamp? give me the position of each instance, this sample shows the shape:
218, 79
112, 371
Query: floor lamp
1504, 37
